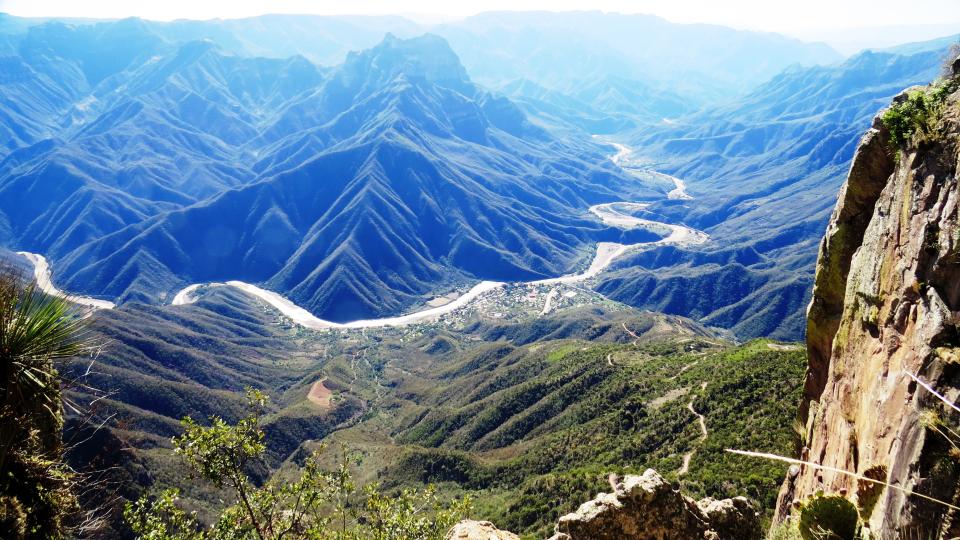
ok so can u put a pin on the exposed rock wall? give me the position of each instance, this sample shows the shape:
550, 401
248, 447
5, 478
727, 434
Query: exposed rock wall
886, 302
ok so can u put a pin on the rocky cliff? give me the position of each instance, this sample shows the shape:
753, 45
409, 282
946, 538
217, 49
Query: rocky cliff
886, 306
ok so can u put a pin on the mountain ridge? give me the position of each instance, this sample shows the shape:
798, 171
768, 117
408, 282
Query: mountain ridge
399, 132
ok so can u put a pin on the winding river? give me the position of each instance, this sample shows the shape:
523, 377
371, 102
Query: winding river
42, 275
617, 214
622, 159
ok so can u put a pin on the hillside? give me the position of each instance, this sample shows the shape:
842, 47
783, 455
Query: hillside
521, 413
368, 188
156, 129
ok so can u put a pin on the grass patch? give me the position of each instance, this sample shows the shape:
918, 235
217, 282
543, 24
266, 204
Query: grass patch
919, 112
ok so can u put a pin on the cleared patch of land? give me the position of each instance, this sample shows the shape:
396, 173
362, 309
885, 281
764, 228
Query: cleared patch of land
784, 347
320, 395
659, 402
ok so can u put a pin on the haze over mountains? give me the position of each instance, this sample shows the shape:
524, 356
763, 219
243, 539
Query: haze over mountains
141, 156
765, 170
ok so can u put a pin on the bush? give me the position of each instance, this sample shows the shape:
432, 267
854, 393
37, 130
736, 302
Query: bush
319, 505
37, 495
828, 517
918, 112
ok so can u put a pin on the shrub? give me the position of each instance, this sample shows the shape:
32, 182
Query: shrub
828, 517
36, 330
784, 531
319, 505
918, 112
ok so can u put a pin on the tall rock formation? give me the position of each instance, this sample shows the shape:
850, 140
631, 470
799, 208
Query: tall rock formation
886, 305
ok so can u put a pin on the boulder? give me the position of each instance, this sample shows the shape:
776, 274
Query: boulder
478, 530
731, 518
647, 507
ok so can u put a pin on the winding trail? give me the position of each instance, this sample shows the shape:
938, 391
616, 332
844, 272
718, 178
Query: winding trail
617, 214
702, 419
685, 467
636, 338
684, 368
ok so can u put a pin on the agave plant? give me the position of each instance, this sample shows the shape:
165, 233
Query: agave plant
36, 331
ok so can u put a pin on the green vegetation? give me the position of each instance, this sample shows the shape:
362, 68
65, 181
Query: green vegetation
37, 496
918, 112
784, 531
317, 505
528, 418
828, 517
536, 431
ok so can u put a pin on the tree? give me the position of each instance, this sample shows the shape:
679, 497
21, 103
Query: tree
319, 505
36, 332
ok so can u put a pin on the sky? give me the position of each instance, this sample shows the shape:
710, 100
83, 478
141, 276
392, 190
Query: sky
828, 20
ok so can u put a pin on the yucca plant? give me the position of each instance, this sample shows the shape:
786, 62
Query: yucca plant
36, 332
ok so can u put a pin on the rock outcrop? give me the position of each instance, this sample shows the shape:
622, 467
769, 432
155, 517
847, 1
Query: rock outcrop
478, 530
886, 305
647, 507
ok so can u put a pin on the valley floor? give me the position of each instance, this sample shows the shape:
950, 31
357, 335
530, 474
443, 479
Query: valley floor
614, 214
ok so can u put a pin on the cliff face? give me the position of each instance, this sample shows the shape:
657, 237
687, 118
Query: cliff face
886, 303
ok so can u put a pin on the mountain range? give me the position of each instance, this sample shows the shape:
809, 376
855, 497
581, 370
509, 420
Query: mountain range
365, 188
356, 190
564, 53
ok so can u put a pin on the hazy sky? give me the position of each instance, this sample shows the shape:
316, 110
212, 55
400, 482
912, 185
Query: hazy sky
812, 19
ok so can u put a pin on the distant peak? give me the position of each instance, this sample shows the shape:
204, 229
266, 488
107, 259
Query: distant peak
192, 51
427, 57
